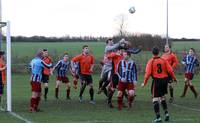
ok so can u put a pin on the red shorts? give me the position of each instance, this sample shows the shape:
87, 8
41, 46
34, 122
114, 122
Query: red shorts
189, 76
125, 85
64, 79
36, 86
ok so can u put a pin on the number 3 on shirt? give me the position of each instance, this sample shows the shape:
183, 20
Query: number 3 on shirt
159, 68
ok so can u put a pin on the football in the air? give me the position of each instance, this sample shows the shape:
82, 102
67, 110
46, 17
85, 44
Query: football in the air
132, 10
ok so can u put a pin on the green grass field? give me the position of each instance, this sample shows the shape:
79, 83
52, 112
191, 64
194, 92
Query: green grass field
65, 111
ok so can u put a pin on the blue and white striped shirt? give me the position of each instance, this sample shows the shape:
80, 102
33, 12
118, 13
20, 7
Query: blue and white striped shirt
190, 61
37, 66
62, 68
127, 71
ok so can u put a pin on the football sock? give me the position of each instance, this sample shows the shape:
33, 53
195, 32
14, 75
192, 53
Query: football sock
82, 90
156, 109
68, 92
91, 91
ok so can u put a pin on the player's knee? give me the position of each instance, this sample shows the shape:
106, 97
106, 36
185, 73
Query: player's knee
155, 99
119, 94
162, 98
131, 92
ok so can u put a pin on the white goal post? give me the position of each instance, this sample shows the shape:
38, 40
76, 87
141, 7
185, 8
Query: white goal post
8, 64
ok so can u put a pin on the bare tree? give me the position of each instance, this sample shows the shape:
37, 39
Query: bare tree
121, 21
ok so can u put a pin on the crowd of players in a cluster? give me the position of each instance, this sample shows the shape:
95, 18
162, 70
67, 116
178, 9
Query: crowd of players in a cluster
119, 72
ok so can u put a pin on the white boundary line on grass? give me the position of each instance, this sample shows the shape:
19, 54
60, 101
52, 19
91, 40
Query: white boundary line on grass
17, 116
20, 117
184, 107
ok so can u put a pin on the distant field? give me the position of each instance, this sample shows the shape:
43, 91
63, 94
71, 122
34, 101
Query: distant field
179, 46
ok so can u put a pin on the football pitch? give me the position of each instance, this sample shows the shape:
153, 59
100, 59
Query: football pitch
183, 110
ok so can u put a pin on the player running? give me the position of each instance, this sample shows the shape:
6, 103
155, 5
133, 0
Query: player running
127, 73
37, 66
159, 69
86, 61
173, 61
46, 72
62, 67
190, 61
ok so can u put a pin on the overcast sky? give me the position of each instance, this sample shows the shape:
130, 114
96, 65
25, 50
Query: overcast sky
98, 17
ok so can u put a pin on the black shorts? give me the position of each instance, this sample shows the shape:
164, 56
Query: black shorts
159, 87
45, 78
169, 79
115, 80
86, 79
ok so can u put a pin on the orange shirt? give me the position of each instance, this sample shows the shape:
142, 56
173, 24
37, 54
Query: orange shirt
116, 58
171, 58
86, 61
47, 60
158, 68
3, 73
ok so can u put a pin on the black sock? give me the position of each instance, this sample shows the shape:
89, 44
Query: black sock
82, 90
100, 83
164, 106
105, 92
46, 91
156, 108
110, 95
91, 93
171, 90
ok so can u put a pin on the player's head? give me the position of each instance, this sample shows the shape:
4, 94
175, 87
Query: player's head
126, 55
155, 51
40, 54
191, 51
86, 49
167, 48
66, 57
109, 41
45, 52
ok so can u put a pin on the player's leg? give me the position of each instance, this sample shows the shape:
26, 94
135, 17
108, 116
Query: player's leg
91, 89
58, 81
193, 89
68, 90
119, 99
131, 93
156, 107
46, 88
185, 87
130, 97
112, 88
165, 108
82, 88
75, 81
156, 92
34, 102
171, 89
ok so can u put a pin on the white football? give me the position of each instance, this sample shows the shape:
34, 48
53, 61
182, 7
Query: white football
131, 10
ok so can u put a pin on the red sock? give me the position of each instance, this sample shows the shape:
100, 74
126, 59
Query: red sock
130, 100
56, 92
33, 103
119, 100
37, 102
68, 92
